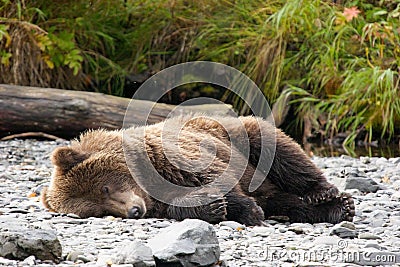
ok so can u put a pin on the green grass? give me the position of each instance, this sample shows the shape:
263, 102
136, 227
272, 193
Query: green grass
341, 74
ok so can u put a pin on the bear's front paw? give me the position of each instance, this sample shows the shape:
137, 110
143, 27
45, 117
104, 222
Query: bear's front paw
253, 215
215, 211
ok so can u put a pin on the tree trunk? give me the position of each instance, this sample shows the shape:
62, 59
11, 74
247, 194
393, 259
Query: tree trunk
67, 113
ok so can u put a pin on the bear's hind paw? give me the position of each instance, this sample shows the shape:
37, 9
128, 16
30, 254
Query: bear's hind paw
348, 206
342, 208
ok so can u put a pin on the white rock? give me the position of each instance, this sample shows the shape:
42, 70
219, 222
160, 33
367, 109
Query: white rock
191, 242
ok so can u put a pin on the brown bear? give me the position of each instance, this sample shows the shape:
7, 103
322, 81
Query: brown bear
117, 172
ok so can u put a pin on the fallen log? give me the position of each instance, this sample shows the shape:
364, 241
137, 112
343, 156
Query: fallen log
66, 113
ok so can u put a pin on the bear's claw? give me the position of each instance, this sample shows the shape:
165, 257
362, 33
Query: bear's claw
217, 209
322, 194
348, 206
342, 208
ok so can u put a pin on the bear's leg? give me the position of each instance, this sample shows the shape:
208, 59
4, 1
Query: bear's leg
291, 169
275, 154
243, 209
213, 212
341, 208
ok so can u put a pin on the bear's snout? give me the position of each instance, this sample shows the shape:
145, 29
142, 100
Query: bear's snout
135, 212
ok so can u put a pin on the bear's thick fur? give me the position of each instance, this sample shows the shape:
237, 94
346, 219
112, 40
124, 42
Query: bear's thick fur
91, 177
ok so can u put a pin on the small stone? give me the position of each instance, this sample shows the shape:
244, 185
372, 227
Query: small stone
327, 240
376, 223
19, 211
271, 222
365, 160
395, 196
104, 260
282, 229
381, 161
233, 225
135, 253
82, 258
74, 216
378, 214
30, 261
297, 230
343, 232
7, 262
373, 244
348, 225
140, 234
263, 231
363, 184
162, 224
394, 160
73, 255
396, 185
368, 236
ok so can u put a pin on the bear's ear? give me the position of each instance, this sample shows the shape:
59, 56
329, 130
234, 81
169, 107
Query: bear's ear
65, 158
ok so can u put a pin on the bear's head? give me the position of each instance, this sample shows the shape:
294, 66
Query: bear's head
93, 184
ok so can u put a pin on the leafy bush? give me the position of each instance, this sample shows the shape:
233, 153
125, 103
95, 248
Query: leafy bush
339, 63
350, 69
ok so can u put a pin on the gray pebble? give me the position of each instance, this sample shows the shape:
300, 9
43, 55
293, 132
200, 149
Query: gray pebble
368, 236
363, 184
73, 255
343, 232
374, 244
25, 167
263, 231
29, 261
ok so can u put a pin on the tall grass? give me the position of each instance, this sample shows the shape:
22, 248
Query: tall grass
342, 74
350, 75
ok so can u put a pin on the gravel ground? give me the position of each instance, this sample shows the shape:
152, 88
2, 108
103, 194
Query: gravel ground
372, 239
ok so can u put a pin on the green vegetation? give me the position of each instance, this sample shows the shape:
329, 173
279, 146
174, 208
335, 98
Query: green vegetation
339, 63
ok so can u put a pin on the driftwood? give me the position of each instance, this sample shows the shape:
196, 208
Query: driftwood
31, 135
65, 113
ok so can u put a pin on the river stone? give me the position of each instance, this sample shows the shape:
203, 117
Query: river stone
73, 255
363, 184
343, 231
368, 236
233, 225
30, 261
43, 244
135, 253
263, 231
191, 242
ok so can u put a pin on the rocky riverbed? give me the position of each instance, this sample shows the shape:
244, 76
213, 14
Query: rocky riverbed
373, 238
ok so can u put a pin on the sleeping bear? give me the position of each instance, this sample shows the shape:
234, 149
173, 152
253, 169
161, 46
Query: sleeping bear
210, 168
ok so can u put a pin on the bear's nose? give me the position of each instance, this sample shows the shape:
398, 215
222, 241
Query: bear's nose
135, 213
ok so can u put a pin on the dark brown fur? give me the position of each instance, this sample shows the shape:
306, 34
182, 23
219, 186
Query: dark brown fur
91, 177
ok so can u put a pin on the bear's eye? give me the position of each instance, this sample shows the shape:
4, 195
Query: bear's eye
105, 190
